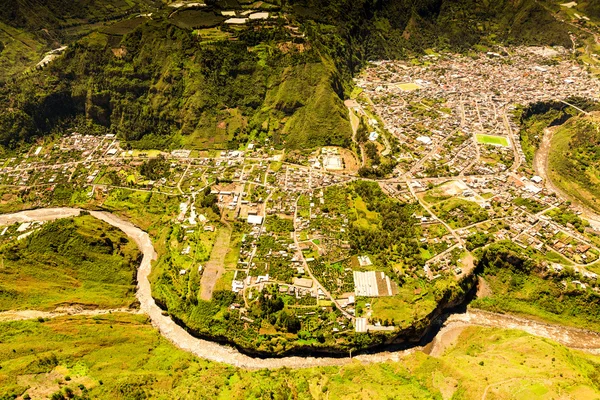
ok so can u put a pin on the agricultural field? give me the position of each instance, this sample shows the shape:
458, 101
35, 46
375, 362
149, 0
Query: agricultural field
124, 27
196, 19
19, 51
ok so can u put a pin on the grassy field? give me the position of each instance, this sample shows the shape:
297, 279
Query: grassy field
414, 302
122, 357
493, 140
79, 261
408, 87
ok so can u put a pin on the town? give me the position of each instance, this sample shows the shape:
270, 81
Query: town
255, 218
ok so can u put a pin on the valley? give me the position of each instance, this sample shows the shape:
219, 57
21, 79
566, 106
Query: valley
299, 199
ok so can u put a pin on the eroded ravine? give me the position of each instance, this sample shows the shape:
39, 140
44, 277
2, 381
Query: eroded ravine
570, 337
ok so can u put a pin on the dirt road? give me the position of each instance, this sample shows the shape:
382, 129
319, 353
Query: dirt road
570, 337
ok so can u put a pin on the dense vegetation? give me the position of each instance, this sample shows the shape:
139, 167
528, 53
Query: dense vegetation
536, 117
157, 83
521, 283
394, 238
161, 85
80, 261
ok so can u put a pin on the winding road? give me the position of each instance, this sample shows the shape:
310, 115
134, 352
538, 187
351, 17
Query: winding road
571, 337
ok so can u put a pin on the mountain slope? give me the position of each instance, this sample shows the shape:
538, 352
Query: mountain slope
574, 160
184, 78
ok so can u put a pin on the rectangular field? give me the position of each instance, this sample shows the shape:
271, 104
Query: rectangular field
493, 140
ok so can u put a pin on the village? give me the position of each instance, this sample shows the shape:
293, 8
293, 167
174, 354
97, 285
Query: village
286, 221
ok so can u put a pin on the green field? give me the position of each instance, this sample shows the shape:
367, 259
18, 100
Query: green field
493, 140
408, 87
124, 27
80, 261
196, 19
123, 357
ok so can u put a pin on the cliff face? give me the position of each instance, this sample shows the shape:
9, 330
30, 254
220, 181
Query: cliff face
415, 335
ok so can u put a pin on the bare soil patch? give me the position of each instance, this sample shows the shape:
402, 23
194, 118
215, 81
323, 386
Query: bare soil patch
215, 267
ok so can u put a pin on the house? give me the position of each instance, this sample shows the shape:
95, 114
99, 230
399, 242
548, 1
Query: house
255, 219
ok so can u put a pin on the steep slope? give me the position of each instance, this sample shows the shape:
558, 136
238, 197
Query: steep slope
574, 160
377, 29
59, 20
184, 78
161, 85
80, 261
29, 28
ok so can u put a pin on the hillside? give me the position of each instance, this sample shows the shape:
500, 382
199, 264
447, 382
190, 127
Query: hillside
574, 161
520, 283
57, 21
30, 28
121, 357
184, 78
69, 262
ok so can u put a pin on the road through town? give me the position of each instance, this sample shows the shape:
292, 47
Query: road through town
571, 337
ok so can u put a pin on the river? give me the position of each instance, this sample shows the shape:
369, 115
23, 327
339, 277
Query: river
453, 325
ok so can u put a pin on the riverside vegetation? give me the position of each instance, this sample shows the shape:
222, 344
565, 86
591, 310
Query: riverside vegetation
182, 79
73, 262
522, 284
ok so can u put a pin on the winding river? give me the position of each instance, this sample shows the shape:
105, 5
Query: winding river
453, 325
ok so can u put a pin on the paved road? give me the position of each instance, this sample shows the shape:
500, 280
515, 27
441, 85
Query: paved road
571, 337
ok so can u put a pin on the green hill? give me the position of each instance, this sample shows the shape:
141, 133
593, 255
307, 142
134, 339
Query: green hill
574, 159
122, 357
29, 28
182, 77
80, 261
